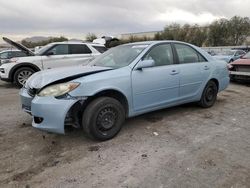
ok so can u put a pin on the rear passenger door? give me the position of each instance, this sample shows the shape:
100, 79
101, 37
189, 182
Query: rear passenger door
194, 70
79, 54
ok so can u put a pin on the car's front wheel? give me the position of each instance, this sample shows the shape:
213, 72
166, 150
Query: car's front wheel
21, 75
209, 95
103, 118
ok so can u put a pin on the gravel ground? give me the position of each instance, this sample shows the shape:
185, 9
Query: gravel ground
184, 146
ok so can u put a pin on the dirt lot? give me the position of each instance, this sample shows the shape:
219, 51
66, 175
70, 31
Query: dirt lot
185, 146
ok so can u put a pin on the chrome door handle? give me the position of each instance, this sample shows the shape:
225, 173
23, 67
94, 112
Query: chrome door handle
174, 72
206, 68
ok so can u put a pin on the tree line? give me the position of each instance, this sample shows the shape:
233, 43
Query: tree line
221, 32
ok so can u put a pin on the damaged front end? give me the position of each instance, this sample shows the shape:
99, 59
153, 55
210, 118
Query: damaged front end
239, 72
46, 96
53, 114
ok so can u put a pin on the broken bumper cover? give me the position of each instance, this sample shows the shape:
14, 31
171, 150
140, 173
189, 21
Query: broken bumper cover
49, 113
25, 100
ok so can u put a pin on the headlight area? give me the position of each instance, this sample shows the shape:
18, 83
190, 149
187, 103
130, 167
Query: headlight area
2, 70
13, 60
58, 90
68, 111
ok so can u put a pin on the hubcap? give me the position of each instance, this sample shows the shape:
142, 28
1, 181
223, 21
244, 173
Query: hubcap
23, 76
106, 119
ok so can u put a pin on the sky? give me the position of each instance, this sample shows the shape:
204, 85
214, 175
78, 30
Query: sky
75, 18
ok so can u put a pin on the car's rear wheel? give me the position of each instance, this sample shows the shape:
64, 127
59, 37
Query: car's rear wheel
103, 118
209, 95
21, 75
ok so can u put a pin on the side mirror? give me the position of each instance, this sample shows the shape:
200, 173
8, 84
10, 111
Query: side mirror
145, 64
50, 53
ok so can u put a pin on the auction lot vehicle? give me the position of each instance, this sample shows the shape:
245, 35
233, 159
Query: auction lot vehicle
58, 54
240, 69
125, 81
230, 55
6, 55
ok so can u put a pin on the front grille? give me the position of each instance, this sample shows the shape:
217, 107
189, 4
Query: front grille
32, 91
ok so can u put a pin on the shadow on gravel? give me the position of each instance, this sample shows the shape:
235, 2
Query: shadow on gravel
8, 86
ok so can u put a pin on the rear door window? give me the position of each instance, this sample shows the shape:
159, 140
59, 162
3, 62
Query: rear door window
79, 49
186, 54
100, 49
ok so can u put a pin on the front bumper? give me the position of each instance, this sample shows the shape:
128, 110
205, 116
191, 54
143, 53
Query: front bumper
25, 100
49, 113
4, 74
241, 76
239, 73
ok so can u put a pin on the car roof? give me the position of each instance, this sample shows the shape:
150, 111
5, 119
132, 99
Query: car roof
69, 42
157, 42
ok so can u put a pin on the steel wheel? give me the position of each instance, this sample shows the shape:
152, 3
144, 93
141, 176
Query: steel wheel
106, 119
209, 95
103, 118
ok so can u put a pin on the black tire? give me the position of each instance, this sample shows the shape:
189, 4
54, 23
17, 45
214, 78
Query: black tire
21, 75
231, 60
209, 95
103, 118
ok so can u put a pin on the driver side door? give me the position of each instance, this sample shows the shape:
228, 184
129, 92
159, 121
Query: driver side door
57, 57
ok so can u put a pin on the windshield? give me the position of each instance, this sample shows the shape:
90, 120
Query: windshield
43, 49
230, 53
246, 56
118, 57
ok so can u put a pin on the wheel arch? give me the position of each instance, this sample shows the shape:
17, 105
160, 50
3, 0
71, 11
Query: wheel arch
22, 65
114, 93
216, 82
79, 107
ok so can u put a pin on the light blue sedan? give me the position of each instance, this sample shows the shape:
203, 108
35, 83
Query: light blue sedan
230, 55
125, 81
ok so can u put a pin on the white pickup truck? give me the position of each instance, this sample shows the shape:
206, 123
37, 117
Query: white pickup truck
53, 55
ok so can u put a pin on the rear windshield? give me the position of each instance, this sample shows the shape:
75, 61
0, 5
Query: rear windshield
100, 49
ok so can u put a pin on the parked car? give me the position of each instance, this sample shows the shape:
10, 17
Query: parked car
58, 54
125, 81
240, 69
6, 55
230, 55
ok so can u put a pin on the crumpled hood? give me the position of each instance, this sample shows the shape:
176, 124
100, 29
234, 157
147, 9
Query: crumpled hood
63, 74
19, 46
